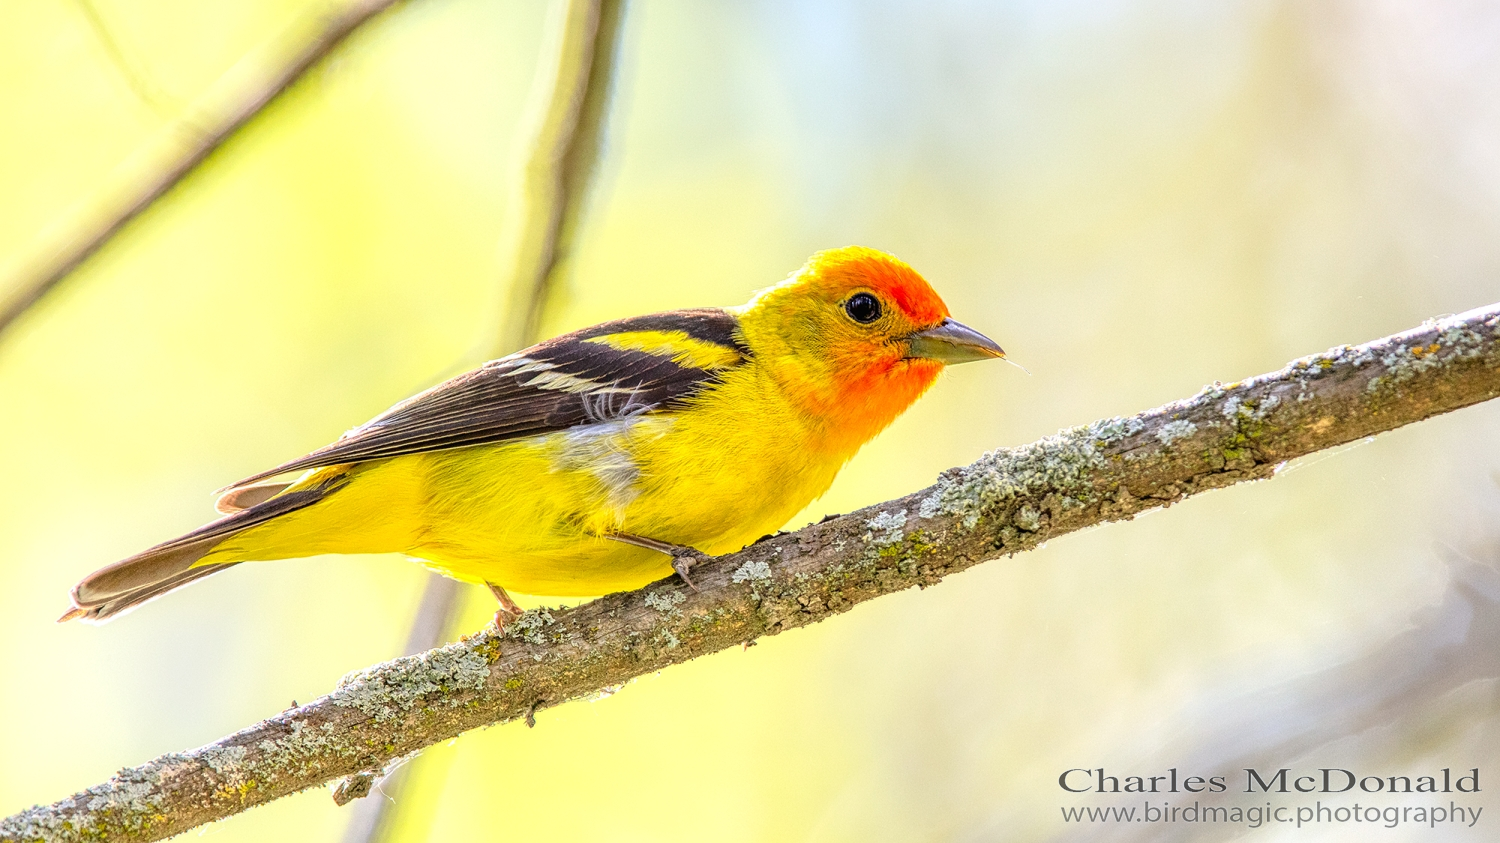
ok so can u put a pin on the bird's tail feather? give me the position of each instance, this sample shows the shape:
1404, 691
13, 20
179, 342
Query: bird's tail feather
245, 497
101, 609
147, 575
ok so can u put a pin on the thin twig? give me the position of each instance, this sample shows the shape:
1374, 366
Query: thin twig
1007, 502
563, 136
34, 282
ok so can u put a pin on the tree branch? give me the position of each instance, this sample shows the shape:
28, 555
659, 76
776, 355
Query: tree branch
546, 208
1008, 501
564, 138
48, 271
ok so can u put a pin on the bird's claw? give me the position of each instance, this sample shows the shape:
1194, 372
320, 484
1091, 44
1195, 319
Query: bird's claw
683, 558
507, 612
504, 618
683, 564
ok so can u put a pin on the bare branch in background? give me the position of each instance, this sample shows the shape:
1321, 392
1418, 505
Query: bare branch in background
1009, 501
563, 136
566, 129
209, 129
145, 90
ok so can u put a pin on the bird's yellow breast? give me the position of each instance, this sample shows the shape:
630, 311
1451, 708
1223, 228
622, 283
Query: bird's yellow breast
532, 515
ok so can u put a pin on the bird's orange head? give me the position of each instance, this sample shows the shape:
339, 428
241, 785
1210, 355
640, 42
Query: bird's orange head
853, 338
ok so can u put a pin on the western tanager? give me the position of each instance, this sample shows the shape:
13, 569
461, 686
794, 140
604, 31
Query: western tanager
602, 459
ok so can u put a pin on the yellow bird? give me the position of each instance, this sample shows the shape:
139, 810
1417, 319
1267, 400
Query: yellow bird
602, 459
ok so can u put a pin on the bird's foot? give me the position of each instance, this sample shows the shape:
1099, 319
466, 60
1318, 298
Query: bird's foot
683, 558
504, 618
684, 563
508, 611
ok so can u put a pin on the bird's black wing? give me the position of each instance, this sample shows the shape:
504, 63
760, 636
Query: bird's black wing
618, 369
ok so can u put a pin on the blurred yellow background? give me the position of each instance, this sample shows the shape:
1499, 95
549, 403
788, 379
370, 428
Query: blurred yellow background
1134, 198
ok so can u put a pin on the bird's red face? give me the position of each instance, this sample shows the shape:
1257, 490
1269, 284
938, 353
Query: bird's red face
860, 336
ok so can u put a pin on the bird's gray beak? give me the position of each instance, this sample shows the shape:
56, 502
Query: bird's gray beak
952, 342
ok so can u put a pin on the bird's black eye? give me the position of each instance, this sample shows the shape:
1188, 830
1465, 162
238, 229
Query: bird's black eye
862, 308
